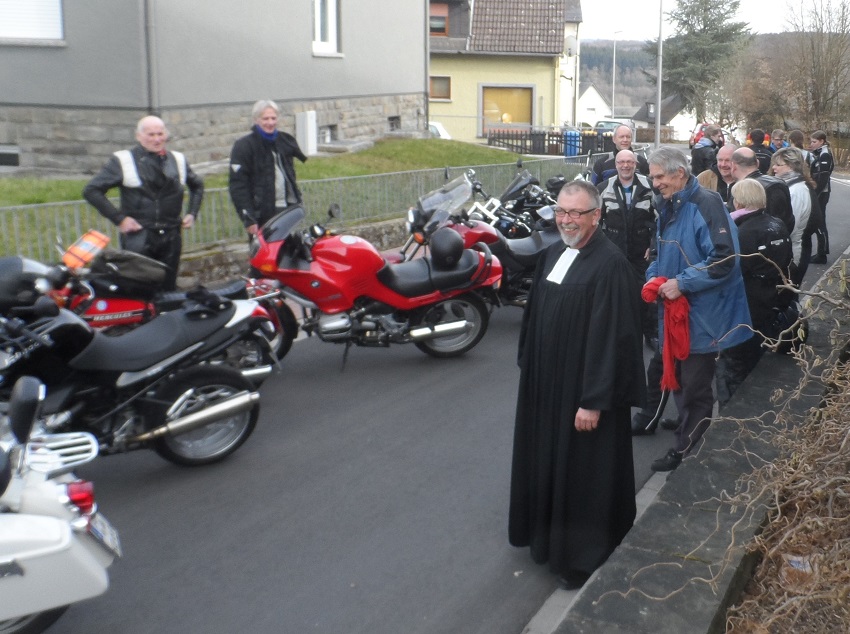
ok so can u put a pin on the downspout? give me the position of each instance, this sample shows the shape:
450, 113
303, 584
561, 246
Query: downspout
150, 58
427, 65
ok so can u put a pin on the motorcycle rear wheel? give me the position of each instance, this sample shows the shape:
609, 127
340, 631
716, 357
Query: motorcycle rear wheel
469, 307
191, 391
32, 623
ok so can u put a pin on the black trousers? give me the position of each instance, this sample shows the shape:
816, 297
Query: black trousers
694, 398
163, 245
733, 366
822, 233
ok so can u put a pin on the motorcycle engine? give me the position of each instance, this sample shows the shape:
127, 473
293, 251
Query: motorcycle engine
334, 326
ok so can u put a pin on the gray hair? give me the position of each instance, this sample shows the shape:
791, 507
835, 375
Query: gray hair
670, 160
262, 105
589, 189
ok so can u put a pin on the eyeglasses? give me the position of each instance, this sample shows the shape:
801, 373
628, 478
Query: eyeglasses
573, 213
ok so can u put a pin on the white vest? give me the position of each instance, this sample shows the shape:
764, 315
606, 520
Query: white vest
131, 173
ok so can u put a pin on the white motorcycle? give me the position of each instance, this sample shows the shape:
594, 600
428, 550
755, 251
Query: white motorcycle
55, 546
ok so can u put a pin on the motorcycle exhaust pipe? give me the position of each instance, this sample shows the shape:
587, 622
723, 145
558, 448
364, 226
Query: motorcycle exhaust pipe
257, 375
236, 404
440, 330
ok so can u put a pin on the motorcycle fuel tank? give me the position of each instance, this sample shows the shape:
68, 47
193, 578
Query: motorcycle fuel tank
343, 268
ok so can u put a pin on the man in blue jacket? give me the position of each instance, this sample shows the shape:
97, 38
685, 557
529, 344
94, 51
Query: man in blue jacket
698, 255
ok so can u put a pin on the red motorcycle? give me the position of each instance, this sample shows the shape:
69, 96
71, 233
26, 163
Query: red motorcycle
115, 291
350, 294
443, 208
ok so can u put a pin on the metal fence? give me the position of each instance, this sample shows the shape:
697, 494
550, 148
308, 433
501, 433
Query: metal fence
35, 230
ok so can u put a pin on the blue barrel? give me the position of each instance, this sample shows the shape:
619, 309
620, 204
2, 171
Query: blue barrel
572, 143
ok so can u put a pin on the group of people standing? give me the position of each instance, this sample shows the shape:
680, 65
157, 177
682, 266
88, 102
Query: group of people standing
650, 253
152, 181
715, 255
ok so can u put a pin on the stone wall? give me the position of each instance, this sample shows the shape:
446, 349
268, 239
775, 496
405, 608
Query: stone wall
79, 140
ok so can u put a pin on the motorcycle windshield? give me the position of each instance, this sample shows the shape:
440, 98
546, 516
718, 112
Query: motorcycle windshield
520, 182
449, 198
279, 227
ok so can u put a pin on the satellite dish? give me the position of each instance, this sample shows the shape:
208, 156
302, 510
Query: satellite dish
570, 45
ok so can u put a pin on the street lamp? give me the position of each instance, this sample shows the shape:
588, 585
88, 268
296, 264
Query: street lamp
660, 66
614, 74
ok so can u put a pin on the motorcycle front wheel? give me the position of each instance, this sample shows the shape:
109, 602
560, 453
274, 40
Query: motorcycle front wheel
464, 307
191, 391
286, 331
32, 623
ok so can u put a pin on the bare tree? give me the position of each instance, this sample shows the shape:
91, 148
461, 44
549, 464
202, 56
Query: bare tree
820, 62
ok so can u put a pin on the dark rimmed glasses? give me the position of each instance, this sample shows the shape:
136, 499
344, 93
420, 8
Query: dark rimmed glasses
573, 213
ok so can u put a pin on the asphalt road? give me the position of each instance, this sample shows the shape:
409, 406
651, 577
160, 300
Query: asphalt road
369, 500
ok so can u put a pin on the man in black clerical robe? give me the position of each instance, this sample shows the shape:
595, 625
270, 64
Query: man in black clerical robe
580, 355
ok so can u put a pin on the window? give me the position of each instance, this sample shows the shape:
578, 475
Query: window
394, 123
32, 20
508, 105
325, 27
441, 87
438, 21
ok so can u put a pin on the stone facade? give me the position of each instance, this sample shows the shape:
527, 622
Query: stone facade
79, 140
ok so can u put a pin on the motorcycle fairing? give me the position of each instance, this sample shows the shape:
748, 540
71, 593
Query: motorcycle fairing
150, 343
419, 277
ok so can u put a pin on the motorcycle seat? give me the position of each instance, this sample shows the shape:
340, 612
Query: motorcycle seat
150, 343
526, 251
419, 277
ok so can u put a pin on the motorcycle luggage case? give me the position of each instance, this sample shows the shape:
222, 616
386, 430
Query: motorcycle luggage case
134, 275
44, 565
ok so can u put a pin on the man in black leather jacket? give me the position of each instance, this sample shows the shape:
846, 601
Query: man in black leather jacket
152, 181
262, 175
745, 164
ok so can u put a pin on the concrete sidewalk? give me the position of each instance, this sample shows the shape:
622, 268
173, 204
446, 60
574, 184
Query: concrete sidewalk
684, 561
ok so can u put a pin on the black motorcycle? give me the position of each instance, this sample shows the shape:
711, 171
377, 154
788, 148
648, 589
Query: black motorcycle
444, 208
154, 386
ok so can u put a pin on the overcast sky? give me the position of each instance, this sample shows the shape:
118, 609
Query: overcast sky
638, 19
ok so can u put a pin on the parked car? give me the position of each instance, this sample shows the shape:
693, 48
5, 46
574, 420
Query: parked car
438, 131
609, 125
699, 132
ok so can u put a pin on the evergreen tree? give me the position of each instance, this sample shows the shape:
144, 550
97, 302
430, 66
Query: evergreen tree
696, 56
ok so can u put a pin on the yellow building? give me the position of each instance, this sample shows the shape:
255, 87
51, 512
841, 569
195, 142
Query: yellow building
502, 64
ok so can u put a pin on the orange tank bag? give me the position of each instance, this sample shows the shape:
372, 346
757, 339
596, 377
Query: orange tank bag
85, 249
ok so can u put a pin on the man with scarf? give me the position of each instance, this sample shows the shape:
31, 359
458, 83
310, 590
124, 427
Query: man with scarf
697, 258
152, 182
262, 175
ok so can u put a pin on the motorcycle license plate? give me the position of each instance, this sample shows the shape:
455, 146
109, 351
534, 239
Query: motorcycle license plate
104, 533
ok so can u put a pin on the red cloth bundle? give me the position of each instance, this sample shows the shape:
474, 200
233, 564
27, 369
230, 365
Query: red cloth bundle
677, 336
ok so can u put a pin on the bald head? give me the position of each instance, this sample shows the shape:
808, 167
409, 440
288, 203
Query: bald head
724, 161
744, 163
151, 134
625, 162
622, 137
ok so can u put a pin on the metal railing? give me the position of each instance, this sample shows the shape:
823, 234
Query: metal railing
34, 230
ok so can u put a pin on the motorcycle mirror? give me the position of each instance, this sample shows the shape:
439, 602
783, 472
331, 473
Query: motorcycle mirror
24, 403
334, 211
546, 212
58, 276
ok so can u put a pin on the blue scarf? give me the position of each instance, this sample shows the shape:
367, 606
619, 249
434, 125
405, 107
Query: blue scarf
265, 135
